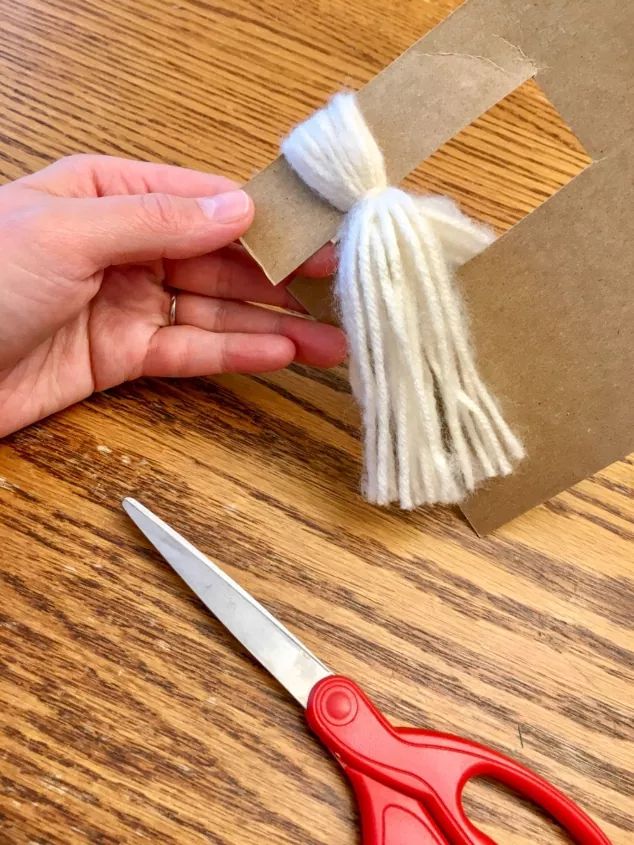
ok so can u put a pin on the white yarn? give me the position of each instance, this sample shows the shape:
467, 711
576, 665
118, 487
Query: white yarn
432, 429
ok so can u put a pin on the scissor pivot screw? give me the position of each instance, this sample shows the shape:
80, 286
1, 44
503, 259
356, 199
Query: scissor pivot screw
340, 706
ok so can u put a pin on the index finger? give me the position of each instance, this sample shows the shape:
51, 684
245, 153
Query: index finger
101, 176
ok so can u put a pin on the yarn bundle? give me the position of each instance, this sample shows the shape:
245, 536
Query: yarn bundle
432, 429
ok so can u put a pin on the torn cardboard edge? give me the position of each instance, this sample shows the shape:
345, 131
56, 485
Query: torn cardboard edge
567, 399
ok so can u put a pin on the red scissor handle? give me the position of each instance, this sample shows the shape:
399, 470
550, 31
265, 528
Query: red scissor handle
409, 782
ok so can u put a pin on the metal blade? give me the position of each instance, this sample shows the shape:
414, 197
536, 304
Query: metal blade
259, 631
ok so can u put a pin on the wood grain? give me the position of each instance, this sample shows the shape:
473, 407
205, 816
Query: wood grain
127, 715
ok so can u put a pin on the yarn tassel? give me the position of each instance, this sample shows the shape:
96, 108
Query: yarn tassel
432, 430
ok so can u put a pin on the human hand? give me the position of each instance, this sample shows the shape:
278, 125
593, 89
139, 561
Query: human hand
88, 248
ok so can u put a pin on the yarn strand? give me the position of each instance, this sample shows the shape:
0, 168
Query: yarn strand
432, 429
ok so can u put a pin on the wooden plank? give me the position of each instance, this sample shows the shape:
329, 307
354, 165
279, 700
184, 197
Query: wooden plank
126, 714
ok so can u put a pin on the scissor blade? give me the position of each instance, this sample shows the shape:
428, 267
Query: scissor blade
279, 651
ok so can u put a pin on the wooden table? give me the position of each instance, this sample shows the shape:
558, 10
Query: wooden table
127, 715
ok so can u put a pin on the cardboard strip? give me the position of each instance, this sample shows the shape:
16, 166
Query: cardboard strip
420, 101
551, 302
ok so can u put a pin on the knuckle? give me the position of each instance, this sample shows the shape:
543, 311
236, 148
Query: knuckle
225, 276
221, 314
77, 158
160, 211
224, 356
75, 162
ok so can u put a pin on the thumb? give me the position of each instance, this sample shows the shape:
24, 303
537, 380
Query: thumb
144, 227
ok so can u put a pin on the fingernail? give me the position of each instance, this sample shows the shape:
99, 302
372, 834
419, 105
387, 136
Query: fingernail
227, 207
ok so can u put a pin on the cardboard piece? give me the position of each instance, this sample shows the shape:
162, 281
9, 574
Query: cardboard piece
557, 287
411, 113
317, 297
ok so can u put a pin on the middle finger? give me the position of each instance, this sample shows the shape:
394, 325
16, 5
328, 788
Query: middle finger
228, 274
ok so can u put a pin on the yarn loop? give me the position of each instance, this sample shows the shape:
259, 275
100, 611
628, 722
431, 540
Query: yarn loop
432, 430
336, 155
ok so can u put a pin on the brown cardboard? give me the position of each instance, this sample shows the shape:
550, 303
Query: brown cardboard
551, 302
410, 112
316, 296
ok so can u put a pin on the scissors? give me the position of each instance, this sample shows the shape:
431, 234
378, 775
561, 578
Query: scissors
408, 782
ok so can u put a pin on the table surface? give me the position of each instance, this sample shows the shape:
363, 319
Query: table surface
127, 714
